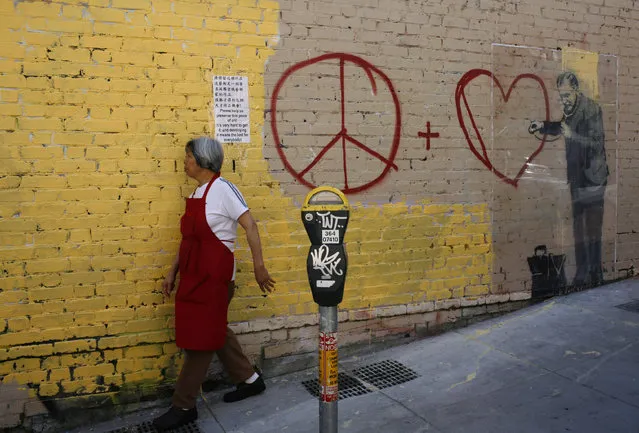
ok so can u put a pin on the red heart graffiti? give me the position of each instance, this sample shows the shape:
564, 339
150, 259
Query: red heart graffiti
483, 157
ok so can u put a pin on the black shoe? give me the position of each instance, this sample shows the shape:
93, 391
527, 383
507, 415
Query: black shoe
245, 390
174, 418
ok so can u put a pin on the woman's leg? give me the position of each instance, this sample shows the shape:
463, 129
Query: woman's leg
231, 356
237, 365
191, 377
183, 410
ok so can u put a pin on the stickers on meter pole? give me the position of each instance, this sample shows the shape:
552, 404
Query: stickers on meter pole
328, 366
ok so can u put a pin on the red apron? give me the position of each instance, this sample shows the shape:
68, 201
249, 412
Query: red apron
206, 268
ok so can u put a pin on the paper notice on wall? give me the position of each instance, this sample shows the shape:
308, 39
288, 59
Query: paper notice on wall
231, 109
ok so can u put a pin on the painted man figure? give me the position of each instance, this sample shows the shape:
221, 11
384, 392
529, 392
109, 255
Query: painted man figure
587, 169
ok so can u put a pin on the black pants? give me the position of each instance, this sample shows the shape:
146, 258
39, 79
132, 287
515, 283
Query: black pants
587, 213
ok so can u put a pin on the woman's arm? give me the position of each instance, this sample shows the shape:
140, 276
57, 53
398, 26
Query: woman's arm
262, 276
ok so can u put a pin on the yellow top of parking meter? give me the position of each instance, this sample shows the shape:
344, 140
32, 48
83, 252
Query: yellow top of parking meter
325, 198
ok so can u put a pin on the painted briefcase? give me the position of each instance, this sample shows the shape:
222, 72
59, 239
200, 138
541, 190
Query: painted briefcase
547, 269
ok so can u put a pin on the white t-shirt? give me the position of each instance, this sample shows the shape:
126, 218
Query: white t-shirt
224, 205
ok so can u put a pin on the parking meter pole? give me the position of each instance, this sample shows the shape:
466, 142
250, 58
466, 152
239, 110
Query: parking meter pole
328, 369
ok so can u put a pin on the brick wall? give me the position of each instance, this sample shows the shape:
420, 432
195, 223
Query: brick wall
425, 50
98, 98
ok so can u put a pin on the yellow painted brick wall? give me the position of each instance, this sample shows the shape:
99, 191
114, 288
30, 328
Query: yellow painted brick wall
97, 100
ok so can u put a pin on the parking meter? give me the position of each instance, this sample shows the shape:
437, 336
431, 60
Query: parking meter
325, 216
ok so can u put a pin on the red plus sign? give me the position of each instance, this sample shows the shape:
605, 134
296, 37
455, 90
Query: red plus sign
428, 135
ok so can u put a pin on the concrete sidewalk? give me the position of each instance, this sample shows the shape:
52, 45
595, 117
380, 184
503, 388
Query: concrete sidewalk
570, 364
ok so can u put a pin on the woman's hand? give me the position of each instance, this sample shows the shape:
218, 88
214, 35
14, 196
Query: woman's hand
264, 280
168, 284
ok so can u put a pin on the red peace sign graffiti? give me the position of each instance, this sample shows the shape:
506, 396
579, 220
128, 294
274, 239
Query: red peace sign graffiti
342, 136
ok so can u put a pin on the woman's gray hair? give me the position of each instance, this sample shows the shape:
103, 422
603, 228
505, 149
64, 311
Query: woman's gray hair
208, 153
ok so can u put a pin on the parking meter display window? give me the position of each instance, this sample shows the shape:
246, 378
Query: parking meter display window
325, 227
326, 266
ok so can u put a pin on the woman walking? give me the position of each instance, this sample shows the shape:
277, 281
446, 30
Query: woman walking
206, 265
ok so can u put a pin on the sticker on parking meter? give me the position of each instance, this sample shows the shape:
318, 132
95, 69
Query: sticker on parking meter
330, 236
328, 366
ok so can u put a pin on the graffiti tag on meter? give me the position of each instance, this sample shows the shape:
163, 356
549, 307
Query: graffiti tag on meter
329, 221
326, 263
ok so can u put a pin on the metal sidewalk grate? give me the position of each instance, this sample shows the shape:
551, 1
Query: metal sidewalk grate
380, 375
348, 386
147, 427
385, 374
630, 306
